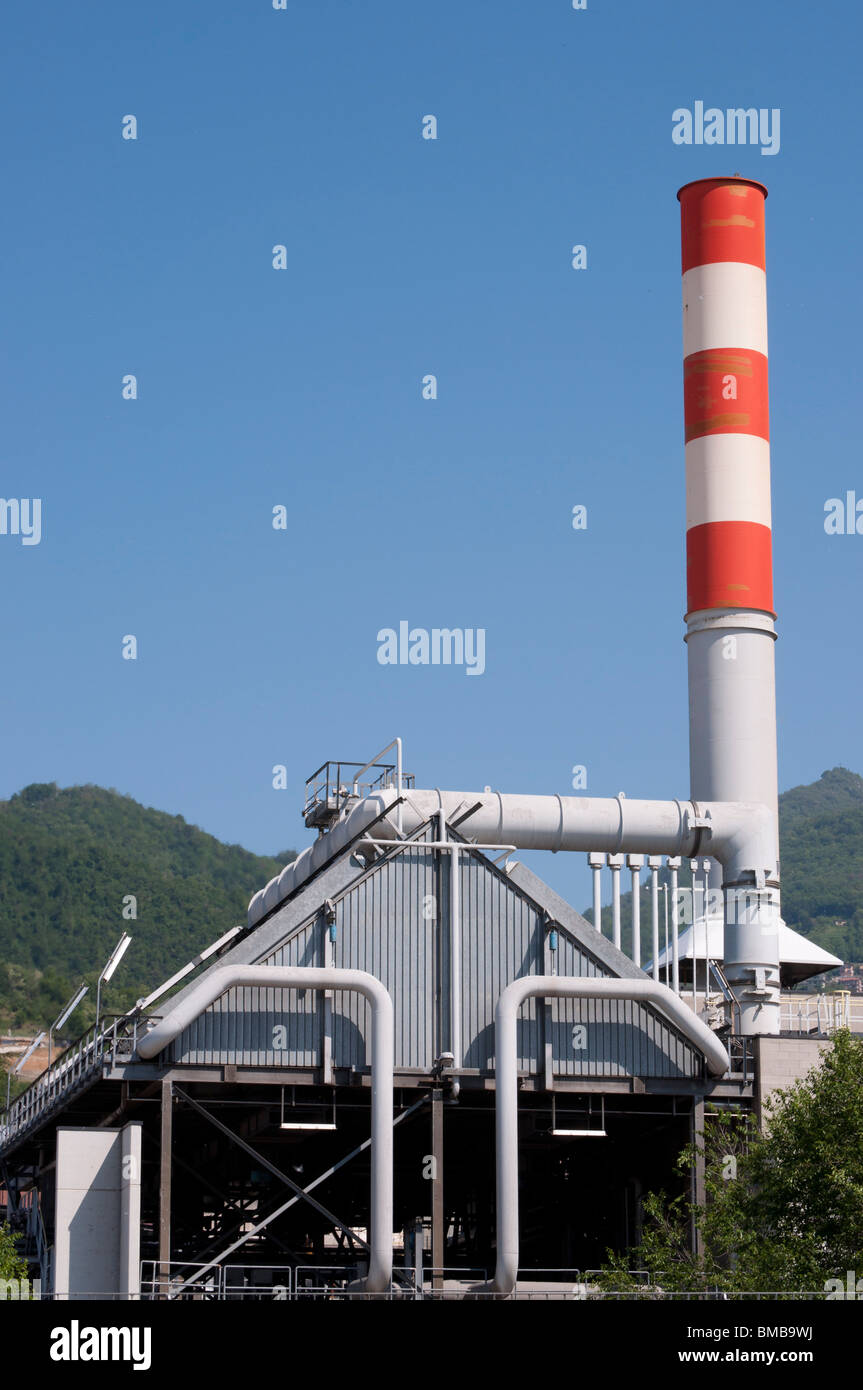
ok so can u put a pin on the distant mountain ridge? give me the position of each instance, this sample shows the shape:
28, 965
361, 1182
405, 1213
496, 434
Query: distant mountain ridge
69, 861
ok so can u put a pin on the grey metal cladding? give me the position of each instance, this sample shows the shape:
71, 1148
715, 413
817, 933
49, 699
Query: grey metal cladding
393, 921
609, 958
201, 1045
620, 1038
257, 1026
616, 1037
388, 926
503, 937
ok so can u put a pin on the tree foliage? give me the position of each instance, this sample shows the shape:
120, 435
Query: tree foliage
11, 1264
783, 1209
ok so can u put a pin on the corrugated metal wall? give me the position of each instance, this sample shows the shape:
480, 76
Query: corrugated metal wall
394, 924
244, 1025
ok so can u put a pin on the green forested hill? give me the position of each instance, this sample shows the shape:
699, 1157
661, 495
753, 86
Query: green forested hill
821, 848
69, 858
821, 843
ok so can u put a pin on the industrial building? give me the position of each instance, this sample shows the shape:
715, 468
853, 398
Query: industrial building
415, 1069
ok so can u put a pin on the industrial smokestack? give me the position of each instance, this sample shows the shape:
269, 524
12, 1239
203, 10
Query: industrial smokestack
730, 618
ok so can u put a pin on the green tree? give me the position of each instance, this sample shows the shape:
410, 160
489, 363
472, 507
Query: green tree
783, 1209
11, 1264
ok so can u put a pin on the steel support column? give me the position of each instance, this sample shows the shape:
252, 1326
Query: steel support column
166, 1140
438, 1232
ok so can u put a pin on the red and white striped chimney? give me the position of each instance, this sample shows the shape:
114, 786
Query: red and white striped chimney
730, 618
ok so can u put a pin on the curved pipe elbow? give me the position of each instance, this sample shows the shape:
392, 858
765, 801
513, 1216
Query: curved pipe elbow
506, 1083
213, 985
743, 838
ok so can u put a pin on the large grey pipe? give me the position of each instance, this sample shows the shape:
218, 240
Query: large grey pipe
225, 977
742, 836
506, 1081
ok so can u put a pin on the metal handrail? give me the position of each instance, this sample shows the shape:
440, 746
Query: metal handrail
741, 1050
283, 1288
80, 1060
336, 781
819, 1015
157, 1282
334, 1278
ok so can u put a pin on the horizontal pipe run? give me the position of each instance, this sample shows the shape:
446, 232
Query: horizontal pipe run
741, 836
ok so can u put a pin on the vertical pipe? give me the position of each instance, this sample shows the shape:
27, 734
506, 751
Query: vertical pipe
636, 918
673, 863
329, 954
596, 862
455, 961
707, 866
381, 1215
166, 1142
214, 984
730, 619
693, 868
506, 1084
653, 865
437, 1228
615, 863
636, 862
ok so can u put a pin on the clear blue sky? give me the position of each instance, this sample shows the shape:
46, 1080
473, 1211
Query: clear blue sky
303, 387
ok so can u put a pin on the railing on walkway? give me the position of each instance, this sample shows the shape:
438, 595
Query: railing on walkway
257, 1282
335, 1283
741, 1051
82, 1060
820, 1014
329, 789
448, 1295
157, 1281
324, 1281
